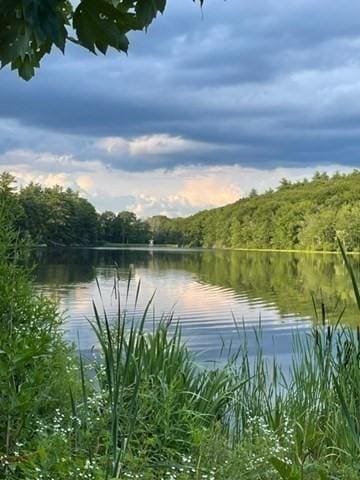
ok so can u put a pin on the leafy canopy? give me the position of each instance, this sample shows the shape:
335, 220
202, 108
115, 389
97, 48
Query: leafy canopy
30, 28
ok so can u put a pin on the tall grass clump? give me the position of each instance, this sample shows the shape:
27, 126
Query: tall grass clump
303, 422
158, 402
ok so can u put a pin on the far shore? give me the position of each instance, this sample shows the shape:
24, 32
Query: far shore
145, 246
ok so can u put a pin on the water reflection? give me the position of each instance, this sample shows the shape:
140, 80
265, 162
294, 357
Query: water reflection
205, 289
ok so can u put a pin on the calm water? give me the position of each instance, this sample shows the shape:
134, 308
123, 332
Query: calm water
206, 290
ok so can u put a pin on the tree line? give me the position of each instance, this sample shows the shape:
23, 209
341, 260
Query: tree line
303, 215
57, 216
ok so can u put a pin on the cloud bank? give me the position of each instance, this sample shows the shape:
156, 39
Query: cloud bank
201, 102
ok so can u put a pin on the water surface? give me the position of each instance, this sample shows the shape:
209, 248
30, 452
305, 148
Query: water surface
205, 290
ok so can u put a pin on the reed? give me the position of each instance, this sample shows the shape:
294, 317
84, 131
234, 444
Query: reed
156, 394
142, 407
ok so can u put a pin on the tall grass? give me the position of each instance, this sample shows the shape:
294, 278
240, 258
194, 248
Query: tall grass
306, 420
156, 396
143, 408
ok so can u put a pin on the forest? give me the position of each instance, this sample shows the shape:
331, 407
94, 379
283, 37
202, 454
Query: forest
55, 216
303, 215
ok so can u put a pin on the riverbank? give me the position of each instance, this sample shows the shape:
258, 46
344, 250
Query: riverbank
144, 409
179, 247
275, 250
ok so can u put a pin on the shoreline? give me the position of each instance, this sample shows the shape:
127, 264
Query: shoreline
284, 250
135, 246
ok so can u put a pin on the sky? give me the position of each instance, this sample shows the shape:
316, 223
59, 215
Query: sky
207, 106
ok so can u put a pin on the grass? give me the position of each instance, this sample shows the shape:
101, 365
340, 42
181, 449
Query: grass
141, 407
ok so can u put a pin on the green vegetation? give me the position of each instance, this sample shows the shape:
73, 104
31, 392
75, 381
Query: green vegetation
34, 361
122, 228
142, 408
306, 215
30, 29
55, 216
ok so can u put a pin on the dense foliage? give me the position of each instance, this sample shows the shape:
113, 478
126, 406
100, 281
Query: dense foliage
29, 29
55, 216
304, 215
33, 356
124, 227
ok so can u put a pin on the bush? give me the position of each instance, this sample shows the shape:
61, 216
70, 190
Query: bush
35, 372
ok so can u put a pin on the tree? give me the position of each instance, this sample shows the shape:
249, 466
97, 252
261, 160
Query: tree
320, 176
36, 212
29, 29
300, 215
106, 226
8, 197
284, 183
7, 186
124, 226
57, 216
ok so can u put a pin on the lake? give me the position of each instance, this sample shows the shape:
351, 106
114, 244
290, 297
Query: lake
205, 290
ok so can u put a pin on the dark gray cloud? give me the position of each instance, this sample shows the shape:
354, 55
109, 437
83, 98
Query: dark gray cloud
262, 83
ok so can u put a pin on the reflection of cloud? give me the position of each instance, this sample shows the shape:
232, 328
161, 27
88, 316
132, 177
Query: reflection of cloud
159, 144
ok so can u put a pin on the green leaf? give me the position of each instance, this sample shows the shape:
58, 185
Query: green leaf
29, 28
47, 20
100, 25
351, 272
284, 469
26, 69
147, 10
346, 412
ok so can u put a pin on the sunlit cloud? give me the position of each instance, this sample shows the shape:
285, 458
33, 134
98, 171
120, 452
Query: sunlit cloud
210, 191
158, 144
177, 192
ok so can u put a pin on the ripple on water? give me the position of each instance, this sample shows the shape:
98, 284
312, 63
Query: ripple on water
204, 295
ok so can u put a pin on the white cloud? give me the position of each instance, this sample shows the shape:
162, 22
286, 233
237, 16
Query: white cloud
47, 161
86, 183
157, 144
113, 145
177, 192
209, 191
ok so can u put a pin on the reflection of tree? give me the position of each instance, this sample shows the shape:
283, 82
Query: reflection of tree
64, 266
285, 280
